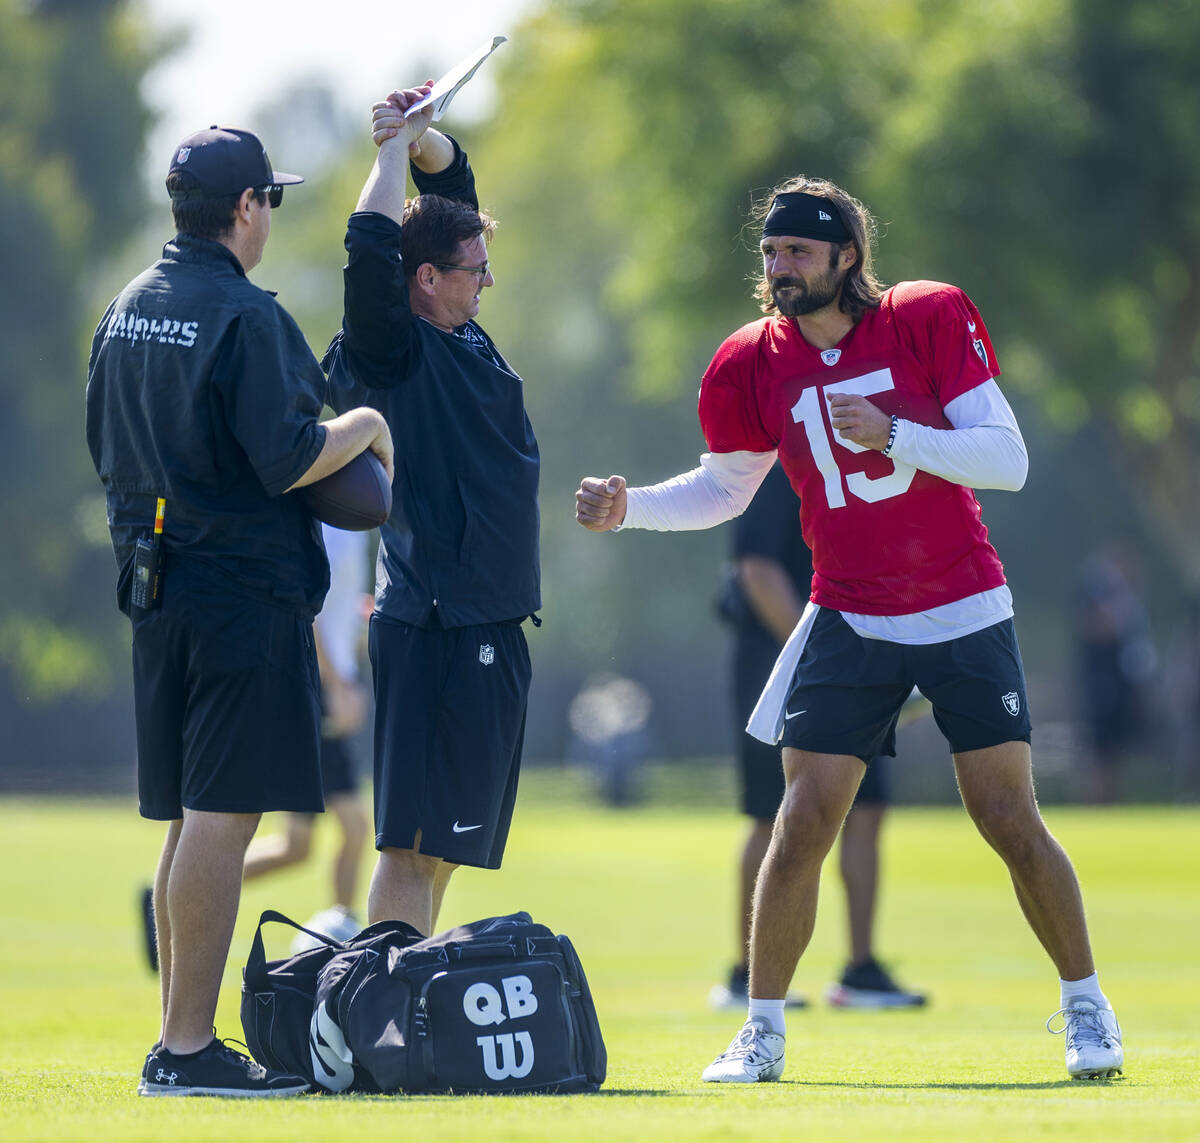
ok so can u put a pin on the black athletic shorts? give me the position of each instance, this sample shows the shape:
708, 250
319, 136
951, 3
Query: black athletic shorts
337, 767
449, 729
760, 766
848, 691
226, 699
338, 772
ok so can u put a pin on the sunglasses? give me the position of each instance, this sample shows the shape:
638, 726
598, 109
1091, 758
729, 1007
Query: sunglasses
482, 271
274, 194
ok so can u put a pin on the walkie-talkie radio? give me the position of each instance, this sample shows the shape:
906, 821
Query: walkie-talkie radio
146, 591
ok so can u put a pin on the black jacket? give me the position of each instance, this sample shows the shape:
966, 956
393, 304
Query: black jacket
201, 389
461, 546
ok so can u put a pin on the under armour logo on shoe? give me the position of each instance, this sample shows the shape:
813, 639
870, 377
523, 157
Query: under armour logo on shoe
166, 1077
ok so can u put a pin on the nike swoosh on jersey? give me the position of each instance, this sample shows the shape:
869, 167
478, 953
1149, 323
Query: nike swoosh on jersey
465, 829
796, 715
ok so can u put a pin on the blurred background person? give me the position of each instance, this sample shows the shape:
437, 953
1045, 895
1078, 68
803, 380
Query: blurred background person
1116, 660
763, 599
338, 633
609, 720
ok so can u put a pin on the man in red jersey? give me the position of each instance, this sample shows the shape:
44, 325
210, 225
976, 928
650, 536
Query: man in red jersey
883, 409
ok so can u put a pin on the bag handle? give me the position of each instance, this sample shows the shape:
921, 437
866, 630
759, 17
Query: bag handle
255, 972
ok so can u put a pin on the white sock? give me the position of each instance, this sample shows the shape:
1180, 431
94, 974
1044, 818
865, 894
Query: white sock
1086, 989
770, 1012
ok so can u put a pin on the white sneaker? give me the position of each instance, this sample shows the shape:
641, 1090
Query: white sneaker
754, 1056
1093, 1040
337, 922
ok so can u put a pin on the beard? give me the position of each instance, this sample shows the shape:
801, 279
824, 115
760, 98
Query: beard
794, 297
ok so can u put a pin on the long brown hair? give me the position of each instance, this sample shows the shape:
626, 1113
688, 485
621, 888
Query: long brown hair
861, 289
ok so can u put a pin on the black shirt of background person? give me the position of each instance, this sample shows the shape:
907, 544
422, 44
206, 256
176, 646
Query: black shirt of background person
770, 527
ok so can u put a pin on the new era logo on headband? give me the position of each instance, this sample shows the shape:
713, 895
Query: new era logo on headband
805, 215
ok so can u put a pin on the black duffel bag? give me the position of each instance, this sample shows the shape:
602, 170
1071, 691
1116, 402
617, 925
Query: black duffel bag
499, 1005
277, 995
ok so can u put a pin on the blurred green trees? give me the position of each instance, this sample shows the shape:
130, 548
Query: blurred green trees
72, 126
1042, 154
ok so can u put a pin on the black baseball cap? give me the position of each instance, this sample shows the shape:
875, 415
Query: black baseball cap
223, 161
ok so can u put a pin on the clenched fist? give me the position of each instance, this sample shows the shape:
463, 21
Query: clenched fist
600, 504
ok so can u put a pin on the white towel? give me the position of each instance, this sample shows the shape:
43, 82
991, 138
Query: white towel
766, 722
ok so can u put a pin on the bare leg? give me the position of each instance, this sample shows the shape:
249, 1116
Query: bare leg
402, 887
997, 788
753, 853
858, 861
203, 888
440, 880
351, 814
820, 790
291, 847
162, 917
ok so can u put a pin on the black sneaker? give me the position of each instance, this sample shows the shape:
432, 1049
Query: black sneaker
736, 994
215, 1070
868, 985
149, 928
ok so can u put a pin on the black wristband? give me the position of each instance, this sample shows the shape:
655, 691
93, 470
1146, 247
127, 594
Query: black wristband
887, 448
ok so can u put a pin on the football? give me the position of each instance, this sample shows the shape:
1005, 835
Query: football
355, 497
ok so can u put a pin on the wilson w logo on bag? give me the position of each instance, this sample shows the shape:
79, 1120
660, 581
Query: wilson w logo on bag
501, 1005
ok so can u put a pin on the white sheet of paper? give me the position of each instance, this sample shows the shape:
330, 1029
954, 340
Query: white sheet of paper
447, 87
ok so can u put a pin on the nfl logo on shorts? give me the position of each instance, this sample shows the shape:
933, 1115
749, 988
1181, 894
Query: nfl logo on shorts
487, 654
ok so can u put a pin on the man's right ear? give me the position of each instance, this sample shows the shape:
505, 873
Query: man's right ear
243, 205
425, 277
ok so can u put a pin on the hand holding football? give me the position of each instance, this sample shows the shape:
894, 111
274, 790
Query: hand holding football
355, 497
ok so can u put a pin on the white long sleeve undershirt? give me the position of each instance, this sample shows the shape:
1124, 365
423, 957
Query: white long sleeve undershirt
718, 490
983, 450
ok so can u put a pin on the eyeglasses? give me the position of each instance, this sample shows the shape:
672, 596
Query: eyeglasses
274, 193
482, 271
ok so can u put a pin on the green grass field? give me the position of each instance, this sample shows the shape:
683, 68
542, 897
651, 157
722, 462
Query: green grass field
647, 897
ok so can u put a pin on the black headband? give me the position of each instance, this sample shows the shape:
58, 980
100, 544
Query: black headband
806, 216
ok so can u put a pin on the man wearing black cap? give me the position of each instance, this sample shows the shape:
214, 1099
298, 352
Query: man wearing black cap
882, 407
202, 413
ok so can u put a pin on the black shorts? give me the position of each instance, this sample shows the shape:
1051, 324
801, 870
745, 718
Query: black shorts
848, 691
338, 772
760, 766
226, 699
449, 730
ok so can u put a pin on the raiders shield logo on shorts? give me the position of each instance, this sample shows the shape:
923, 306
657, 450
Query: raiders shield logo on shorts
487, 654
1012, 703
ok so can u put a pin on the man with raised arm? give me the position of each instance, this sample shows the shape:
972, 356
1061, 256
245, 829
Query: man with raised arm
458, 558
883, 408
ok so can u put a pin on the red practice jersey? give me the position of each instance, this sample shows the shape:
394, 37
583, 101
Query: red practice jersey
886, 538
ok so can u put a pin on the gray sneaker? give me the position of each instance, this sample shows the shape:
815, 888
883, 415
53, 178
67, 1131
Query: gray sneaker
215, 1070
1094, 1048
754, 1056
